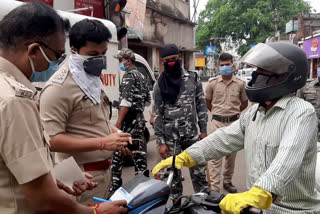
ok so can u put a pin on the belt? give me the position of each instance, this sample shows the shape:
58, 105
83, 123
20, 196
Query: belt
97, 166
225, 119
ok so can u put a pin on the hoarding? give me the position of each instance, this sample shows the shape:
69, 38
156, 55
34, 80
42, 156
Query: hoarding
210, 50
311, 47
200, 62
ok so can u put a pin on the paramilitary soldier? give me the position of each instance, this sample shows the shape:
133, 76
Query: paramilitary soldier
75, 110
179, 98
134, 96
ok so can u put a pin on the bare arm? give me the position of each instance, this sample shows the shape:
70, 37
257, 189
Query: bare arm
122, 114
44, 197
244, 105
209, 105
69, 144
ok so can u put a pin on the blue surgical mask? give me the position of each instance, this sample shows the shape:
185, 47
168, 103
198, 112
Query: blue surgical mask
43, 76
123, 67
225, 70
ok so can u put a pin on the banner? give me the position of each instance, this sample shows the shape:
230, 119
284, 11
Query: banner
97, 5
210, 50
311, 47
49, 2
200, 62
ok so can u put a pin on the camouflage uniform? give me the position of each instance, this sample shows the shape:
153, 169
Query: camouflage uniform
311, 93
132, 90
189, 110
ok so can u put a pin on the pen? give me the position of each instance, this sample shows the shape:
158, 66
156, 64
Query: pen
104, 200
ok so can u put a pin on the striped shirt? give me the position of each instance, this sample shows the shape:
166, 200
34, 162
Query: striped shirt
280, 152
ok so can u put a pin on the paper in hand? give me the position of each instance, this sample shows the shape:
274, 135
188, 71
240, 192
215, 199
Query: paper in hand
68, 172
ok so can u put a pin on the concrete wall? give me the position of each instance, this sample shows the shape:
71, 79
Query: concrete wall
162, 30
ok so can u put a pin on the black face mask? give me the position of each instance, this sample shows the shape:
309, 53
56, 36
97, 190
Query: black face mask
172, 66
170, 81
94, 65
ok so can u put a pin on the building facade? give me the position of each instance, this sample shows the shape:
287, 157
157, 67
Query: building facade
164, 22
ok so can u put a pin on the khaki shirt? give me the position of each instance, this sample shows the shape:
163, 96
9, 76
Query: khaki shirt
225, 98
65, 109
24, 154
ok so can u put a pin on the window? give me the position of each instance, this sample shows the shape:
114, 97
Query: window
142, 69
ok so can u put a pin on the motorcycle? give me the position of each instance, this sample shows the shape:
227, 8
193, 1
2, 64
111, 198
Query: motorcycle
146, 195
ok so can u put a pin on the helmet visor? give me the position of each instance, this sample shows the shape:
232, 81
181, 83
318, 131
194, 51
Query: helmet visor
263, 56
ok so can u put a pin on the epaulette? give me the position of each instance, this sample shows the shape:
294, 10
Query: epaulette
213, 78
61, 75
20, 89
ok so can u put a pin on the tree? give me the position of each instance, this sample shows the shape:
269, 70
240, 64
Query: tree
244, 22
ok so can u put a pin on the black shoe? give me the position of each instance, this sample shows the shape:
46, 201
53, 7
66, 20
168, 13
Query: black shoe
229, 187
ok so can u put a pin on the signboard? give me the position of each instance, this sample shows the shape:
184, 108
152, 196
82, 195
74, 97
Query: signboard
200, 62
135, 20
210, 50
49, 2
292, 26
311, 47
96, 4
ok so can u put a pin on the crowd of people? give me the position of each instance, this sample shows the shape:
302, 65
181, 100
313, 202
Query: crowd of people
71, 117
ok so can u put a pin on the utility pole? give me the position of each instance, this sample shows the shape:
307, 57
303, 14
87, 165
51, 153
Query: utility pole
195, 12
276, 21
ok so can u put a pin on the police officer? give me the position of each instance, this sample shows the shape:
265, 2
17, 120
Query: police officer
75, 109
179, 98
134, 96
278, 135
27, 34
226, 98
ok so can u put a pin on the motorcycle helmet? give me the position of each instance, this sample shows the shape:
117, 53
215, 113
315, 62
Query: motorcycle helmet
282, 61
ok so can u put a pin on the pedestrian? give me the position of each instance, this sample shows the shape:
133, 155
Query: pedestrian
134, 97
178, 97
28, 34
226, 98
75, 109
278, 135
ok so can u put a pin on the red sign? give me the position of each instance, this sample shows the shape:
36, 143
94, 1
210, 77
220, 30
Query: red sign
96, 4
49, 2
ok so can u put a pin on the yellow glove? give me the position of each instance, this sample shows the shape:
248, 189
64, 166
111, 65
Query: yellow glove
255, 197
183, 159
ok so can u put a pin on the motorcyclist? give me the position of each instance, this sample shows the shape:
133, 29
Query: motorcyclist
278, 134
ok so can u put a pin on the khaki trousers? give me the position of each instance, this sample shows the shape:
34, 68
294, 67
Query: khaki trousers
103, 178
215, 166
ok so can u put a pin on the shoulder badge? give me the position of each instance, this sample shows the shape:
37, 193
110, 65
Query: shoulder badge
61, 75
20, 89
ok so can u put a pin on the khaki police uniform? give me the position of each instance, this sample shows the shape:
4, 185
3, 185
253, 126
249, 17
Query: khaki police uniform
65, 109
24, 154
226, 99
